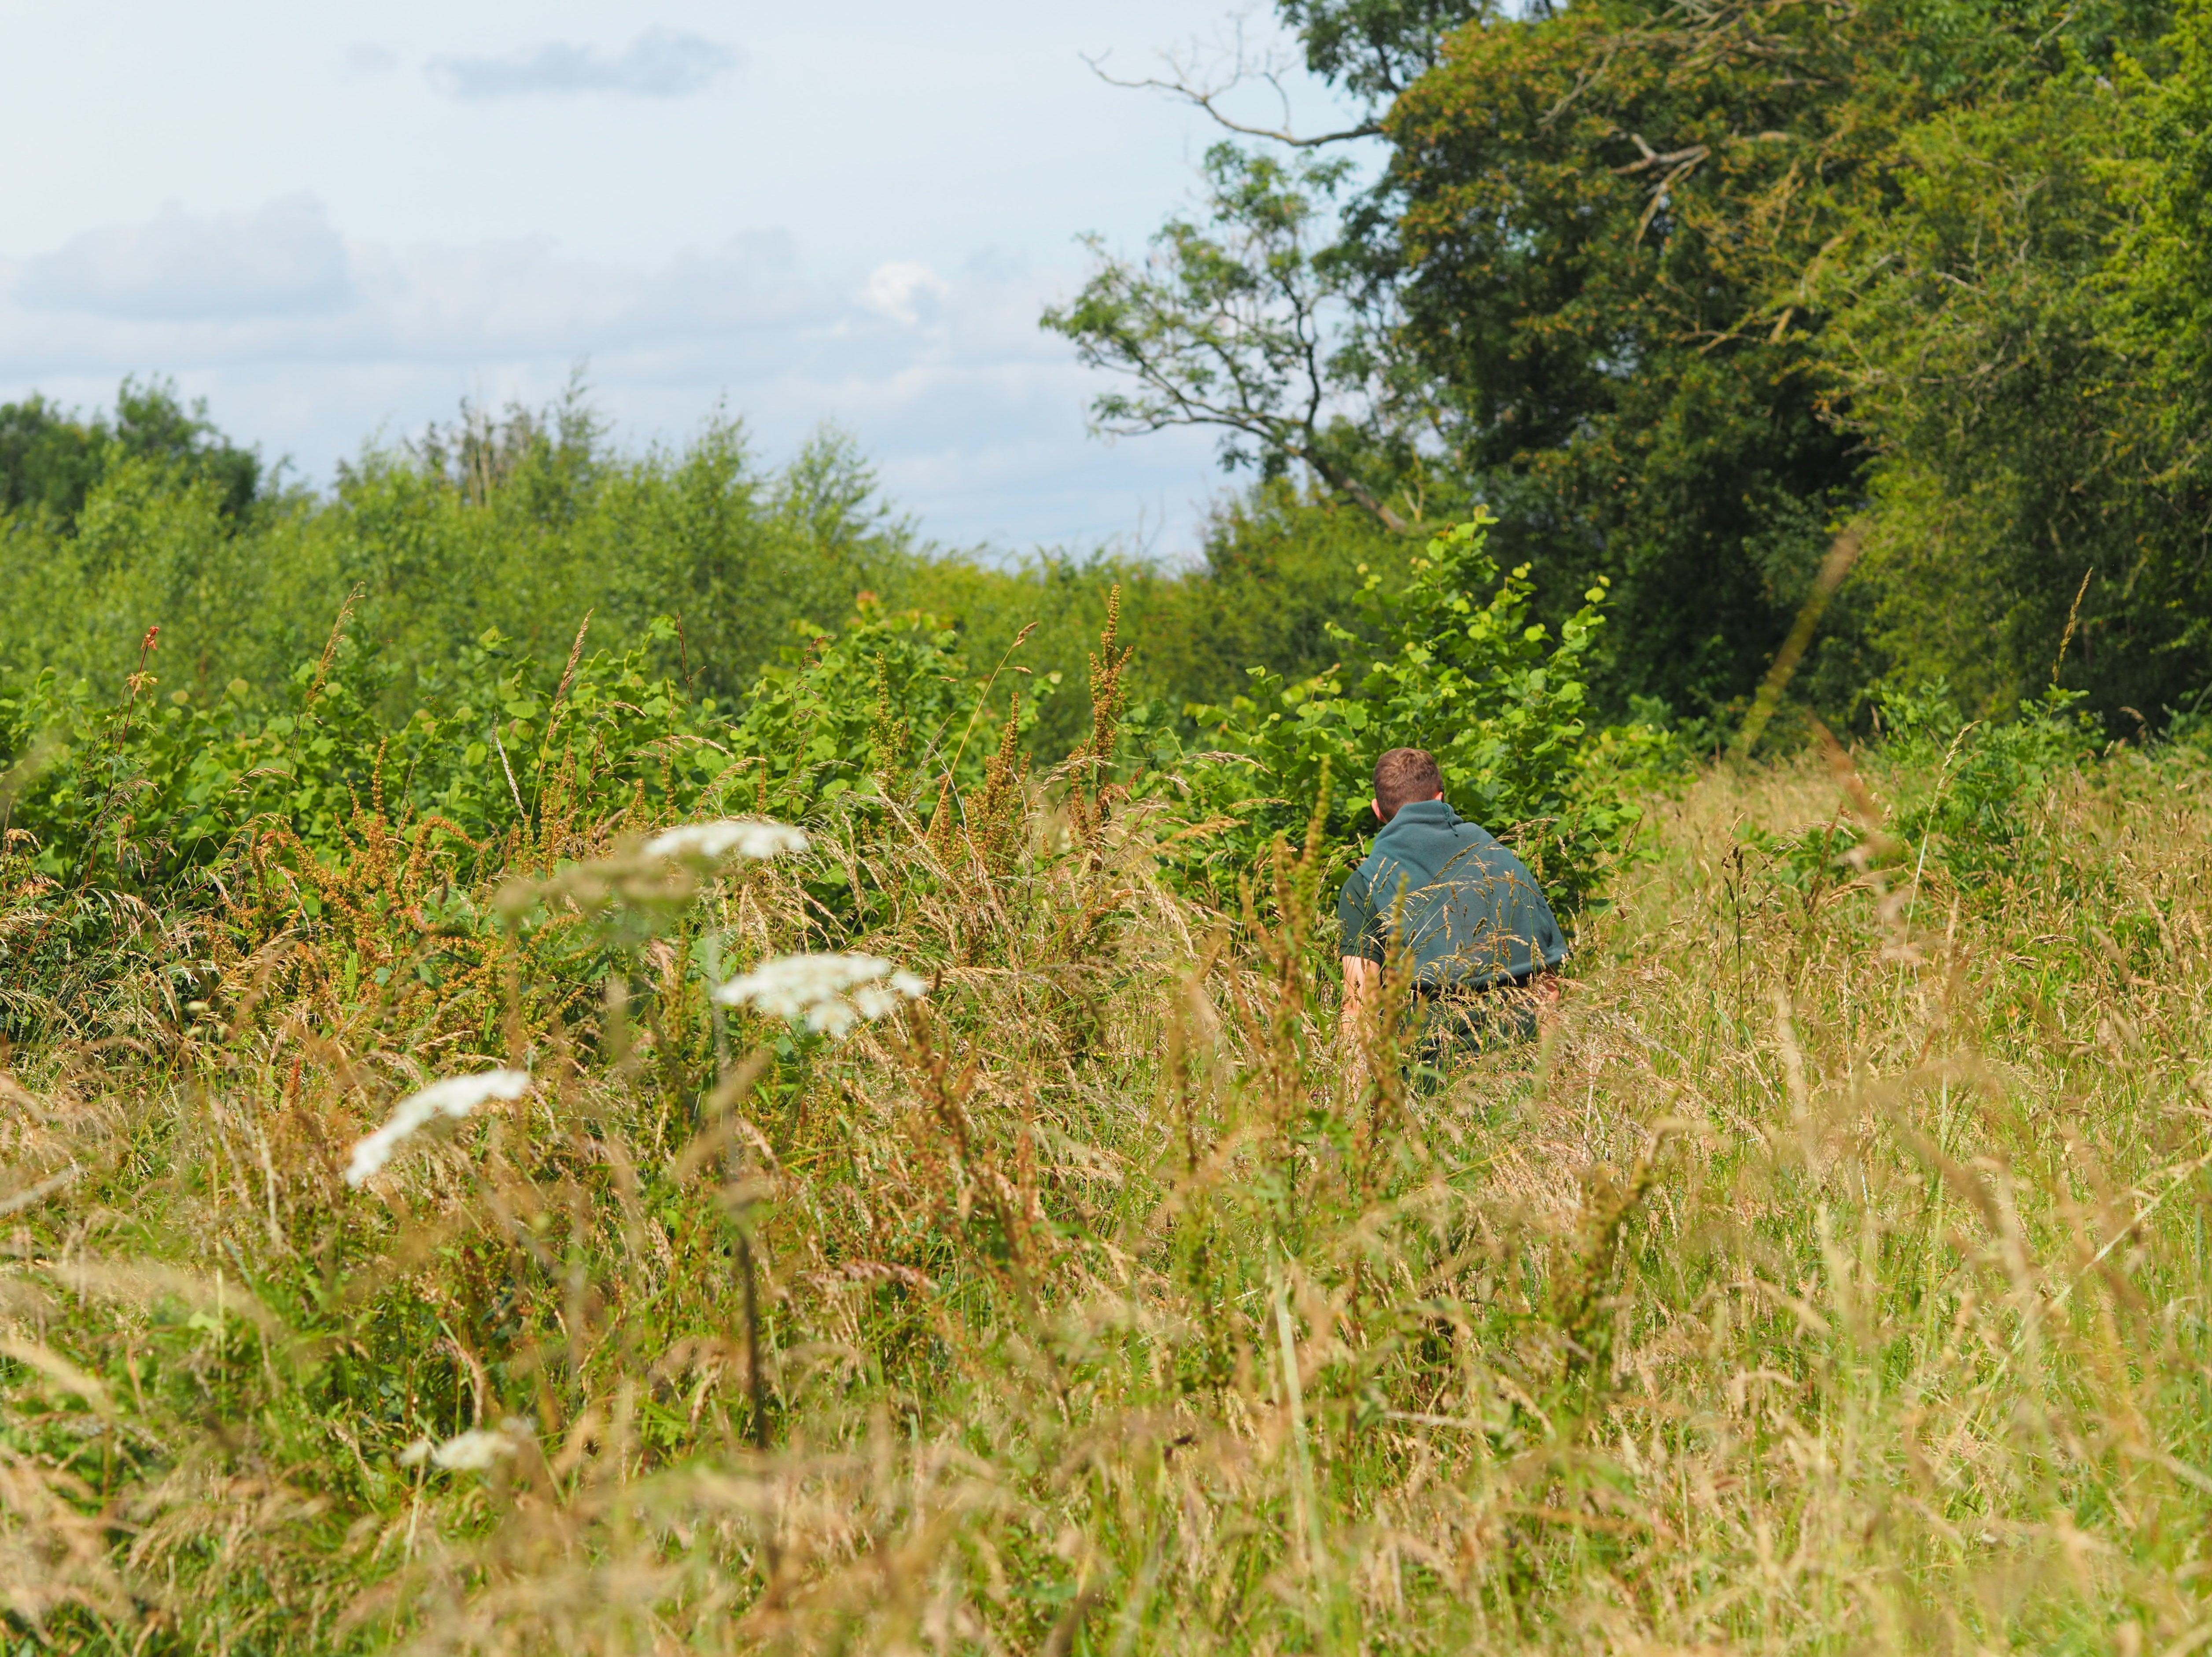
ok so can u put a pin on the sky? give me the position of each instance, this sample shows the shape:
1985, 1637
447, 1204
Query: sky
335, 222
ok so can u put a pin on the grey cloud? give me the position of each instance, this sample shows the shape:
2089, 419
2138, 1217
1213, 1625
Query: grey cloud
365, 57
477, 302
659, 64
284, 260
974, 417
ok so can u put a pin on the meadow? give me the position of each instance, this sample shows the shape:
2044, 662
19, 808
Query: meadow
1828, 1276
607, 1049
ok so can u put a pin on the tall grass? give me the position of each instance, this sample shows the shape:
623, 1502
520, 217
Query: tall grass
1829, 1275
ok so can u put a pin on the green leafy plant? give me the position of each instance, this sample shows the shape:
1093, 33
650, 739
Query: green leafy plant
1984, 780
887, 707
1499, 699
153, 795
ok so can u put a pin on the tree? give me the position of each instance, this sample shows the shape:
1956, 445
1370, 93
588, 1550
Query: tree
1600, 217
48, 459
2020, 490
51, 459
1375, 49
1536, 307
1250, 323
1372, 49
1595, 288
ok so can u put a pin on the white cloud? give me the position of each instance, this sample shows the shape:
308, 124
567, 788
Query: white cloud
657, 63
284, 260
974, 416
365, 58
902, 290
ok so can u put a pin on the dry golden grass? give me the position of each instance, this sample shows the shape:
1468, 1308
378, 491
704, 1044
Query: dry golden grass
1831, 1276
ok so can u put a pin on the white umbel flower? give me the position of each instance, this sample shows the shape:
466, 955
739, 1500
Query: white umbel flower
471, 1452
455, 1096
710, 842
831, 993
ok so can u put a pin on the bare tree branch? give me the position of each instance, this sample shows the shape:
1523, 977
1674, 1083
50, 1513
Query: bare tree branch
1207, 99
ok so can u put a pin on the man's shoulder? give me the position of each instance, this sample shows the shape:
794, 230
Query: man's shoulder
1377, 866
1483, 860
1471, 844
1360, 881
1475, 836
1424, 852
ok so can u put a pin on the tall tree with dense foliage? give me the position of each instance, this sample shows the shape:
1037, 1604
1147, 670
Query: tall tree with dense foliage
52, 457
1681, 290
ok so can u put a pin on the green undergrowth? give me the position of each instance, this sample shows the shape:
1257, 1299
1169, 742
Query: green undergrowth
1829, 1275
170, 832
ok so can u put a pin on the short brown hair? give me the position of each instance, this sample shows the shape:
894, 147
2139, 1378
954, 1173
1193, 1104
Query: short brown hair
1404, 775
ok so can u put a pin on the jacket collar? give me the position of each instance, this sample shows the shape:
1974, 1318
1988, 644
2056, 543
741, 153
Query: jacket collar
1425, 813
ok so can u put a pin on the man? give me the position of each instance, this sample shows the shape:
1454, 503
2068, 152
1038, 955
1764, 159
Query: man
1481, 941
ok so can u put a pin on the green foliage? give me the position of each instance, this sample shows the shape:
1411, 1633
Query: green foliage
1680, 316
1280, 567
887, 706
150, 796
527, 522
1968, 799
1496, 696
523, 524
196, 805
52, 459
1980, 783
2024, 482
1598, 213
2161, 276
1375, 48
195, 800
1283, 582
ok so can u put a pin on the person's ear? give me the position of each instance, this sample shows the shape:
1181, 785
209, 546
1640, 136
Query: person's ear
1439, 794
1376, 806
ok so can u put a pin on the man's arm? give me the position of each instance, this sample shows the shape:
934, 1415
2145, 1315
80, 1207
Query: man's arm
1362, 993
1362, 979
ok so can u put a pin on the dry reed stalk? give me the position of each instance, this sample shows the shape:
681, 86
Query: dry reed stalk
1087, 1313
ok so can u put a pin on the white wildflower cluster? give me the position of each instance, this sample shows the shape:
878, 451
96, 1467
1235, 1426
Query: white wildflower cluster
455, 1096
470, 1452
710, 842
831, 993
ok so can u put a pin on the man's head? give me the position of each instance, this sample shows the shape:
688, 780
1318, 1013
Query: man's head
1404, 775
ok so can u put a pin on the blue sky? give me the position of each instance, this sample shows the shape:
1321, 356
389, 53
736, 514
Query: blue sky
334, 220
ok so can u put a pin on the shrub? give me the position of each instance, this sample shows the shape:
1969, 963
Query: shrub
1500, 702
140, 796
1981, 781
888, 706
